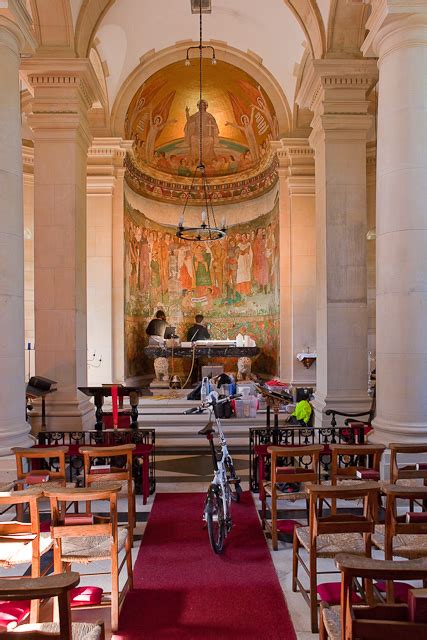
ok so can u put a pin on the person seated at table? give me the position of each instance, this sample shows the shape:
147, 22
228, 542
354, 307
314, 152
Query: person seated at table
198, 331
156, 328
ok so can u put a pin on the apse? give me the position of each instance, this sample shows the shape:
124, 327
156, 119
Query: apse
233, 282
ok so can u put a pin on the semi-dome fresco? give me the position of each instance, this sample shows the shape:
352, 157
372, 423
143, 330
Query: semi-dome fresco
238, 121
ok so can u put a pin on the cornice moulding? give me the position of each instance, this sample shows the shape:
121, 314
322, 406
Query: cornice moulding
338, 75
64, 74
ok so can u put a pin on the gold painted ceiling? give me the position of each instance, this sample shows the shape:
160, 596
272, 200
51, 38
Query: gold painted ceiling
163, 121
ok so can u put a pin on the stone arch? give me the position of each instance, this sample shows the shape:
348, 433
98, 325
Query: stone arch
306, 11
346, 28
152, 62
88, 21
53, 25
308, 15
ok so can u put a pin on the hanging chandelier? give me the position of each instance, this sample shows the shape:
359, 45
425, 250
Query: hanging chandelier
208, 229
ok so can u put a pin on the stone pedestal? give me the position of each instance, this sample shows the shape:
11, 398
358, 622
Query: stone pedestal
335, 90
64, 90
398, 36
297, 258
14, 33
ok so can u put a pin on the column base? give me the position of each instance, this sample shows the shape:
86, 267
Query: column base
357, 403
386, 431
17, 435
64, 415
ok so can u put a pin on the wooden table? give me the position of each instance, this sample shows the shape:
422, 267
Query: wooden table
99, 393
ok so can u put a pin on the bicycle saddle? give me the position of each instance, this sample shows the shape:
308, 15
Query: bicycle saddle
207, 429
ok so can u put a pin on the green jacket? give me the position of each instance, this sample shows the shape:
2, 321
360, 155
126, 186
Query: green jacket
303, 411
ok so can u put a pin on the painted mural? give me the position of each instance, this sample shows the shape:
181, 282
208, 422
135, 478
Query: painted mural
237, 121
233, 282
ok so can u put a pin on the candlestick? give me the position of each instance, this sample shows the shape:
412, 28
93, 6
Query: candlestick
203, 216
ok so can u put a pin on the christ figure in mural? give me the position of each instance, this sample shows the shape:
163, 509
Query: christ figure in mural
210, 133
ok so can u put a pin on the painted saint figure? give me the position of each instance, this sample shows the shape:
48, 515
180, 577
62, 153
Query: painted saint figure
244, 266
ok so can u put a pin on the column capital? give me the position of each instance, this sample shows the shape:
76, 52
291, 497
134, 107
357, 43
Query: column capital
106, 163
296, 164
335, 90
394, 24
63, 92
337, 86
16, 21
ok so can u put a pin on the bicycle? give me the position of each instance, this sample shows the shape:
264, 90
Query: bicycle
225, 486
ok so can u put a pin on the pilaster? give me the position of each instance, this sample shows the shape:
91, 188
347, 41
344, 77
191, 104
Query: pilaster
105, 301
297, 256
64, 90
336, 92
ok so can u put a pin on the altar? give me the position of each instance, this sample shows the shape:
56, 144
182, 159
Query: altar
201, 351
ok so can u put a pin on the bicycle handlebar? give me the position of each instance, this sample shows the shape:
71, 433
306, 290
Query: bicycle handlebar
203, 406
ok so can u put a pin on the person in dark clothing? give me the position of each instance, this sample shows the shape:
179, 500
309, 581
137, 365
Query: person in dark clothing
156, 327
198, 331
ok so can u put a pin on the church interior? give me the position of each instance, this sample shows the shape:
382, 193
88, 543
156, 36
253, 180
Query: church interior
213, 346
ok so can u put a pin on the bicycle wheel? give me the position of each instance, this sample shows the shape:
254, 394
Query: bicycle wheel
215, 521
233, 481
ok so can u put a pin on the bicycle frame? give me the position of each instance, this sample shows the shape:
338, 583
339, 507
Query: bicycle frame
220, 472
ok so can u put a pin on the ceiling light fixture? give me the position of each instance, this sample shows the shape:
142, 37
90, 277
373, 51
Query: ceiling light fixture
208, 229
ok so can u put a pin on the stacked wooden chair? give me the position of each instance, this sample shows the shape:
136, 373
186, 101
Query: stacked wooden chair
22, 543
371, 617
327, 536
302, 467
89, 538
99, 477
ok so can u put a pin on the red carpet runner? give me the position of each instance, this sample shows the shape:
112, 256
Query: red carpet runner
184, 591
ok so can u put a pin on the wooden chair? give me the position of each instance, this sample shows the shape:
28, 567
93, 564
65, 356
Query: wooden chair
22, 543
43, 588
408, 474
34, 458
349, 459
93, 541
304, 467
326, 536
402, 536
372, 619
123, 474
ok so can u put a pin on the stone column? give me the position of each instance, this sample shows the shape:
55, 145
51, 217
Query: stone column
14, 33
298, 258
64, 90
335, 90
398, 36
105, 240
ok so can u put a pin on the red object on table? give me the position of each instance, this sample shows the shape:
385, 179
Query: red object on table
114, 402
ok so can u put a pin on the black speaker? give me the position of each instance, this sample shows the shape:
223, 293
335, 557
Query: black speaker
37, 382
